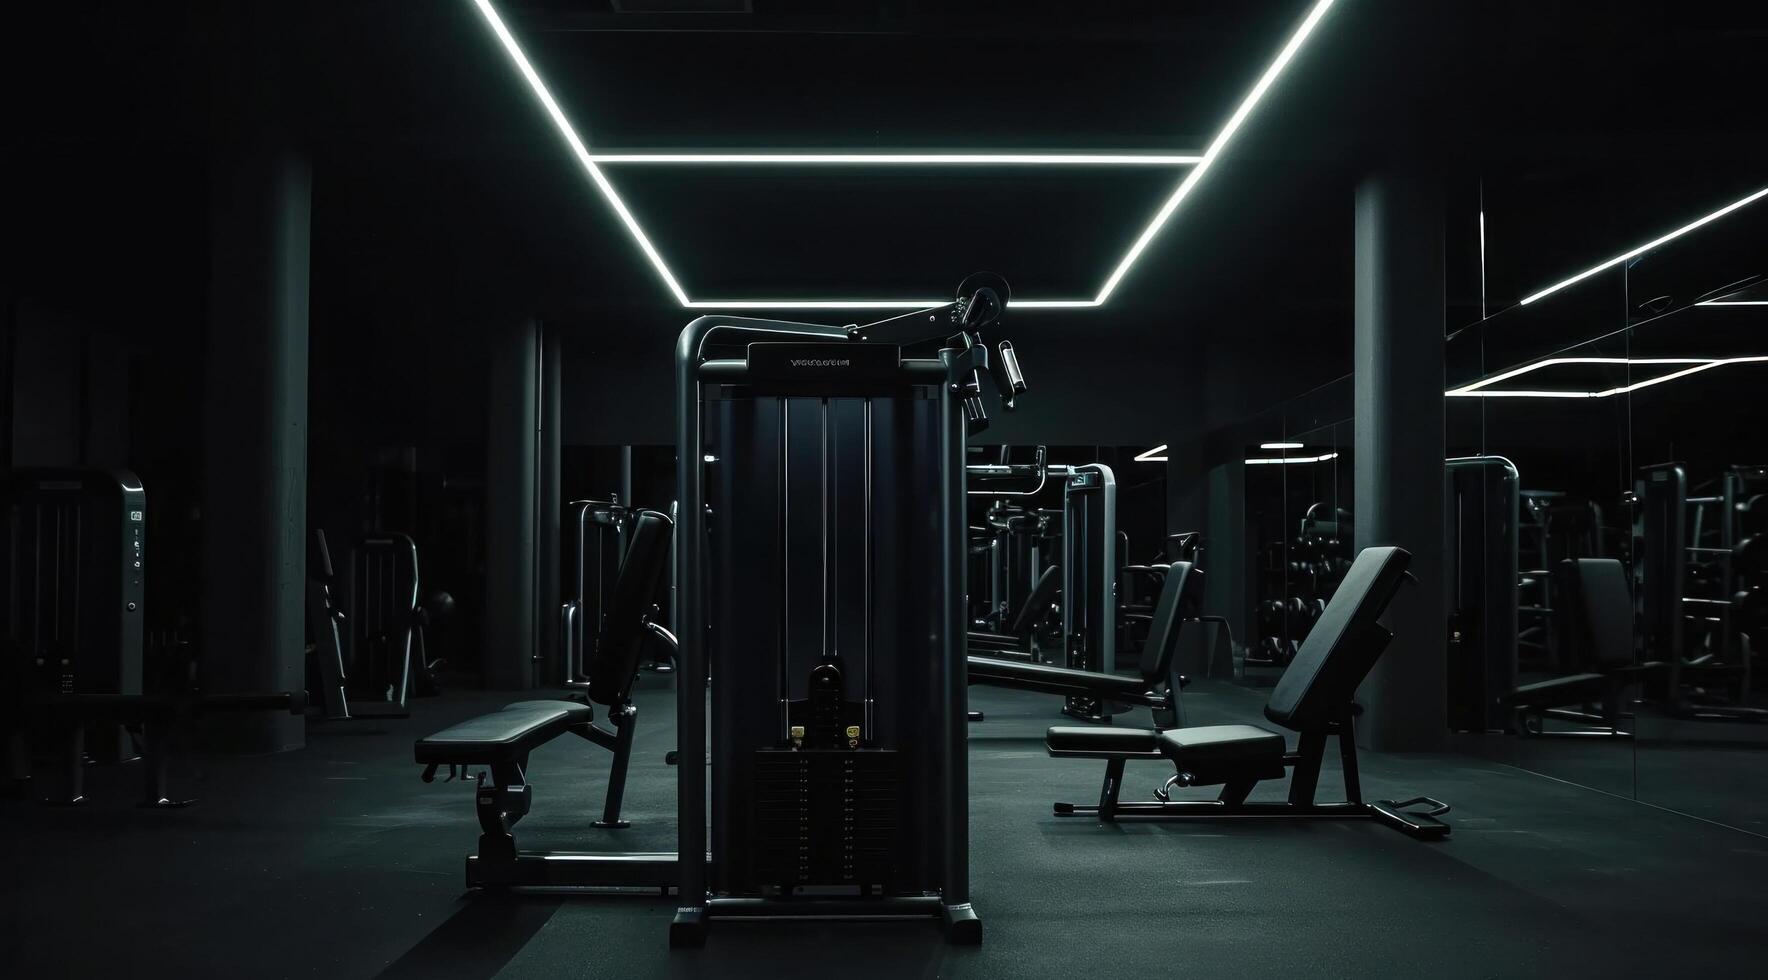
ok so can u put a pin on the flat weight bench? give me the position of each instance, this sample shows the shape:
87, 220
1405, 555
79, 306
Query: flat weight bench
162, 719
1313, 698
502, 740
1155, 685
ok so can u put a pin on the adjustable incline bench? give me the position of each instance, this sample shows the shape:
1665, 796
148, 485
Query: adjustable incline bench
1313, 698
1156, 684
502, 740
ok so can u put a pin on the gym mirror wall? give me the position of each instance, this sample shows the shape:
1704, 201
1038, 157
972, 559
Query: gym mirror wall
1605, 590
1697, 311
1537, 539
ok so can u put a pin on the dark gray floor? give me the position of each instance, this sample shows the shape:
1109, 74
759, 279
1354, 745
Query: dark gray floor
338, 862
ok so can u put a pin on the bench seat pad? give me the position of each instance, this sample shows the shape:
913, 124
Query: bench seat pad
502, 736
1009, 673
1093, 741
1223, 748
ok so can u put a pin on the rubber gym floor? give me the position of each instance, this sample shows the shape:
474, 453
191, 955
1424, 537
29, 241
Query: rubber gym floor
337, 861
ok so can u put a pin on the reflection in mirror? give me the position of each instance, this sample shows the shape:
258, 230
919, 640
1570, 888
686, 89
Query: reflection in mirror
1540, 662
1701, 480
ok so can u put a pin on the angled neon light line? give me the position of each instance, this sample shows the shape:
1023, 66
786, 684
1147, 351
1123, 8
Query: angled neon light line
577, 147
1216, 146
908, 159
1734, 302
1697, 365
1289, 460
1648, 246
1149, 457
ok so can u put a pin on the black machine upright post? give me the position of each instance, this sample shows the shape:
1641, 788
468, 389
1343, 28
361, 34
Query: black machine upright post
690, 615
958, 915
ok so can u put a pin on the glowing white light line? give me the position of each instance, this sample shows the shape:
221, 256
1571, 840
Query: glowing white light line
869, 304
1287, 460
1149, 457
1215, 147
1734, 302
1641, 250
1556, 361
1282, 445
591, 165
908, 159
1699, 364
577, 147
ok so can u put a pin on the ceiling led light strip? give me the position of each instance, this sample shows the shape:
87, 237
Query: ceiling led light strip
1288, 460
1198, 162
1648, 246
1216, 146
1697, 365
1151, 457
909, 159
577, 147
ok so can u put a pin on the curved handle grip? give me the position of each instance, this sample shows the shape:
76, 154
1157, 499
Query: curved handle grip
1009, 380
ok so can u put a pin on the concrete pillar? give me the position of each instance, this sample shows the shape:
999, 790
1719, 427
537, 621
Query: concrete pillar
1399, 445
255, 440
512, 437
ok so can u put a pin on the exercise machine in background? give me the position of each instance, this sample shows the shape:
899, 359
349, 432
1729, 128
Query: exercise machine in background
1481, 589
78, 685
1687, 584
596, 532
370, 653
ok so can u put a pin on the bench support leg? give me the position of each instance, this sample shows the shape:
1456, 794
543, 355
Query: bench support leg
499, 806
1109, 790
156, 750
625, 719
1235, 793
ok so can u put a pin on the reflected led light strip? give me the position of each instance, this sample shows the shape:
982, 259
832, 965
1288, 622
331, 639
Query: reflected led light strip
1696, 365
1287, 460
1734, 302
1151, 457
1199, 163
1282, 445
1648, 246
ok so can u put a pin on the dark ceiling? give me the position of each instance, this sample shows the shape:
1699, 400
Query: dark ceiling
443, 198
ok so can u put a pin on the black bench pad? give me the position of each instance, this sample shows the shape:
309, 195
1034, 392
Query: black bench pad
1209, 754
1095, 742
1215, 748
1046, 677
502, 736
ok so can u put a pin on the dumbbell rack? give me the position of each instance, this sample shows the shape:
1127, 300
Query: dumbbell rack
1296, 578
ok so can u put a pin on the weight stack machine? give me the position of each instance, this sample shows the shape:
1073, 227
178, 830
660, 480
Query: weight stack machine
72, 586
1089, 581
822, 562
